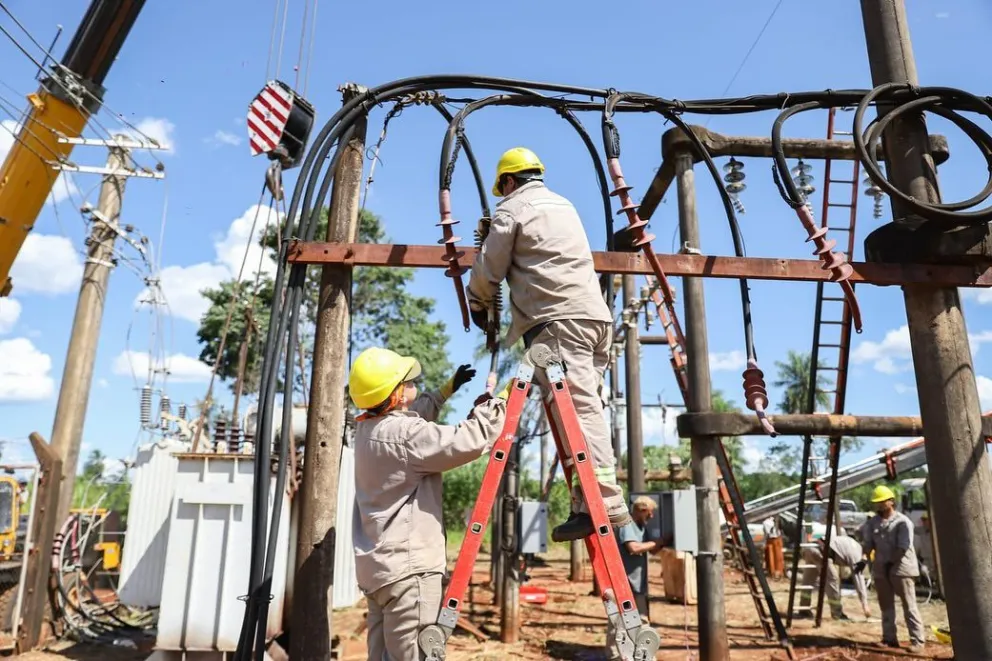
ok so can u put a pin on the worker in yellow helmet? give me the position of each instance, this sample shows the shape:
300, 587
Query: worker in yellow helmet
536, 243
894, 568
400, 453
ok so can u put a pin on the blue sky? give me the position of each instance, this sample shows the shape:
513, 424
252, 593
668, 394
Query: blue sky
189, 70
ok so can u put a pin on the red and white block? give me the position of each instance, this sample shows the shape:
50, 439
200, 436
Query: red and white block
267, 116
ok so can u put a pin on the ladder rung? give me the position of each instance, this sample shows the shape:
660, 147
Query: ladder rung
842, 133
834, 298
829, 369
832, 323
804, 588
831, 346
839, 229
841, 181
809, 566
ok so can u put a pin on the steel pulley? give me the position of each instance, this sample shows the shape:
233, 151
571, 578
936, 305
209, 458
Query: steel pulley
279, 124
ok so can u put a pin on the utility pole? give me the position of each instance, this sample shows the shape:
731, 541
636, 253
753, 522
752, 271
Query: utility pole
713, 643
960, 480
632, 371
509, 628
77, 375
313, 582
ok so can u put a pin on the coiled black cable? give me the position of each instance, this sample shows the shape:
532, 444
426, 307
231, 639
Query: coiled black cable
941, 101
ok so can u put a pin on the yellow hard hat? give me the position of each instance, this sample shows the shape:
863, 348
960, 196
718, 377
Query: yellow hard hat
881, 494
376, 373
518, 159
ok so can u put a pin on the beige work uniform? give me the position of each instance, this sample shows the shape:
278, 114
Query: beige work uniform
846, 552
892, 541
536, 243
397, 522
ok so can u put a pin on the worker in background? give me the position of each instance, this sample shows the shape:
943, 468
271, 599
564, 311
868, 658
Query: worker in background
774, 551
844, 552
634, 547
400, 453
894, 567
536, 242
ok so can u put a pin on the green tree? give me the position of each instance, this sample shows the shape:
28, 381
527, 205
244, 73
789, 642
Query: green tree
383, 313
96, 486
794, 375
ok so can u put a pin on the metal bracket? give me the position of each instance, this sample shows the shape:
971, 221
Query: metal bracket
431, 641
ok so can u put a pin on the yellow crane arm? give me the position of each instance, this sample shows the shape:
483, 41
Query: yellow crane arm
30, 170
60, 109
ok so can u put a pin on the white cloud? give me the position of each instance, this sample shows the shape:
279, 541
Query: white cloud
983, 296
904, 389
103, 383
221, 138
181, 368
752, 453
10, 312
890, 356
158, 129
727, 361
894, 353
47, 264
984, 391
182, 284
24, 372
62, 188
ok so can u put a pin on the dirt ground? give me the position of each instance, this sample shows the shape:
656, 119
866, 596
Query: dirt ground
571, 625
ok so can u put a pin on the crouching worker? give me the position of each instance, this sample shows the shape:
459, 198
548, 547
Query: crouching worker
400, 453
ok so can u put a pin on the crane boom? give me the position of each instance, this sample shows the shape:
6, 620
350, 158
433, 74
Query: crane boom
66, 98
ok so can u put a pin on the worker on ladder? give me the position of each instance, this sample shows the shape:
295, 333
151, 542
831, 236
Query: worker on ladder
400, 453
536, 242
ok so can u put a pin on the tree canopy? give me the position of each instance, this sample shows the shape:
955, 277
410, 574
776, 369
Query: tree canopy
384, 313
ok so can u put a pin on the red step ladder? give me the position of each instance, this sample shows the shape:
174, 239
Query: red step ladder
635, 641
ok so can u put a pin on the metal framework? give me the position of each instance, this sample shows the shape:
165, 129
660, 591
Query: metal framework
696, 265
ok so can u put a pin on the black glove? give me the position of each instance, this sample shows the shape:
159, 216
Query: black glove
480, 318
463, 375
860, 566
482, 399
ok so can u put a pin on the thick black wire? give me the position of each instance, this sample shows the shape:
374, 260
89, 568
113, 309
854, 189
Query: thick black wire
942, 101
611, 141
344, 119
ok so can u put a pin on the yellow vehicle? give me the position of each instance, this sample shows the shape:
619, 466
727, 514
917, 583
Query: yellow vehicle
10, 516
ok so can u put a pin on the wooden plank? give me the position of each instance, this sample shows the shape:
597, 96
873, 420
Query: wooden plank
39, 558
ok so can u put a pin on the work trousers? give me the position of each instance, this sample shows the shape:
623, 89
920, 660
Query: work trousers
611, 632
774, 557
397, 612
811, 577
584, 347
905, 588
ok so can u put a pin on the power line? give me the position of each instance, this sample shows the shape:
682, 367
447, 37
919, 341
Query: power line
750, 50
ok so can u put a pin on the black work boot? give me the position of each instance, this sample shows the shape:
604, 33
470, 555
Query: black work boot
579, 526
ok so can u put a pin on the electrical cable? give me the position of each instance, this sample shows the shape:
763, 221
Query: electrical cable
312, 188
944, 102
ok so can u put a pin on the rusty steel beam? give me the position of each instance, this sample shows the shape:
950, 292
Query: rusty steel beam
707, 266
813, 424
674, 140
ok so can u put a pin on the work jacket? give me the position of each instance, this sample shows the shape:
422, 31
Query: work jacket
537, 243
846, 550
399, 458
892, 541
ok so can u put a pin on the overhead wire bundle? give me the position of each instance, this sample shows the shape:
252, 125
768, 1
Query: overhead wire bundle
317, 176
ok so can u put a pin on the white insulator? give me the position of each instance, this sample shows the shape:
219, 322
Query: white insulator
146, 405
182, 411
